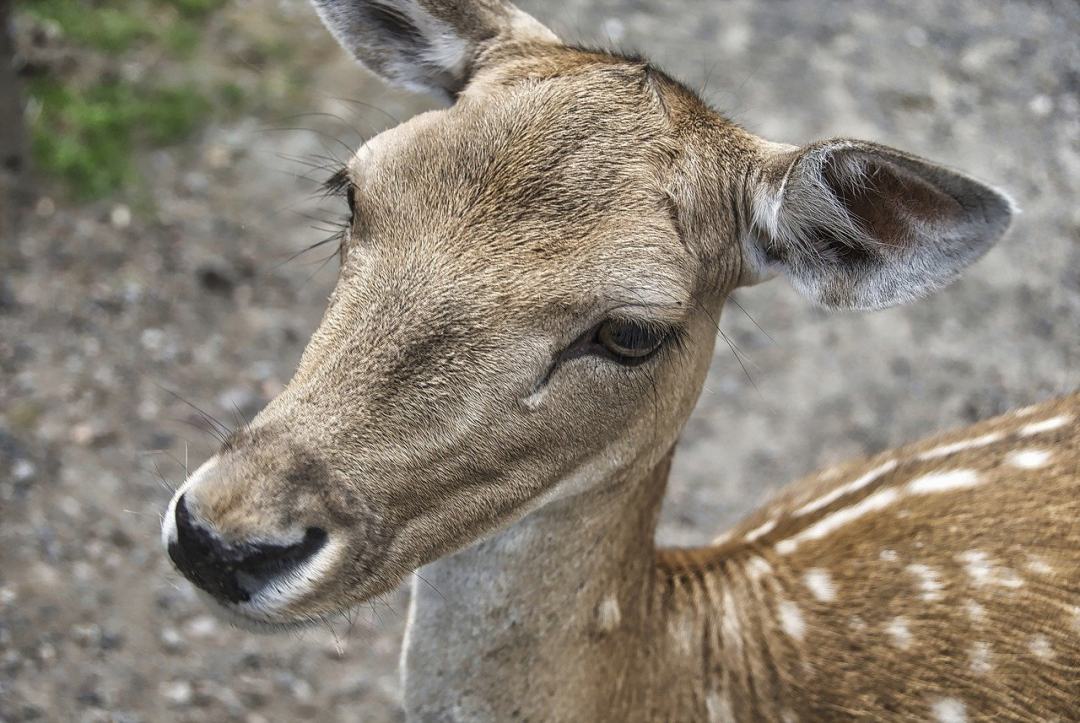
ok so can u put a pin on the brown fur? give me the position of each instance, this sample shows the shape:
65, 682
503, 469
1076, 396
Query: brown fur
436, 419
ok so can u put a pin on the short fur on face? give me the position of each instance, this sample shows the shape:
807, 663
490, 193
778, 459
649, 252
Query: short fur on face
454, 385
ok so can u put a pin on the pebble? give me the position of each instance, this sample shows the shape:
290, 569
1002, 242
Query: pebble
202, 626
120, 216
22, 470
92, 434
1041, 105
172, 640
178, 693
45, 207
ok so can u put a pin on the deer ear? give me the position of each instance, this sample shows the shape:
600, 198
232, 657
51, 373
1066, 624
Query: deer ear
855, 225
426, 45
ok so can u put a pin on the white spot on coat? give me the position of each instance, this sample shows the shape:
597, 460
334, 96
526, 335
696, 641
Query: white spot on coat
758, 567
980, 657
949, 710
946, 449
830, 523
760, 531
682, 631
608, 615
730, 628
957, 479
975, 611
899, 631
977, 565
820, 584
929, 582
791, 619
1040, 647
1046, 425
718, 708
722, 538
1038, 565
982, 570
1028, 458
849, 488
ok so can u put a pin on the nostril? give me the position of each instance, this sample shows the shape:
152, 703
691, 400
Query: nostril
262, 562
235, 571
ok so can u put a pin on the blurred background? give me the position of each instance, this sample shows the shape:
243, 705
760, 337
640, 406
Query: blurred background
154, 201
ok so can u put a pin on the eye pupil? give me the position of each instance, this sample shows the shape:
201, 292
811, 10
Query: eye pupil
629, 340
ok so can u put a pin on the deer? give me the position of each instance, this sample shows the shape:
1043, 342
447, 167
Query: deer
523, 319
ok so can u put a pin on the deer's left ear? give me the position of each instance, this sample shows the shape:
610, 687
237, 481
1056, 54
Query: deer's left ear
427, 45
856, 225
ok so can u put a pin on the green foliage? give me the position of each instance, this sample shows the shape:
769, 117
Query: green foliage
87, 134
120, 25
88, 137
113, 28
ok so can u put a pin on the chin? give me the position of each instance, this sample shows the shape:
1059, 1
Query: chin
253, 619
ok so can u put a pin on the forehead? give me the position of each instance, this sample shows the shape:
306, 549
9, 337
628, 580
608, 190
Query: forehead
560, 180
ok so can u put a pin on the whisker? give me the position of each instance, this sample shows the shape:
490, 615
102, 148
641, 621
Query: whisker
740, 307
424, 580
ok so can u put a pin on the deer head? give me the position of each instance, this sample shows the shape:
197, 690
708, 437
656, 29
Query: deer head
527, 300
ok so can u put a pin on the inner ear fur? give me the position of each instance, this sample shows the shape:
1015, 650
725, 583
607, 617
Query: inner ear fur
862, 226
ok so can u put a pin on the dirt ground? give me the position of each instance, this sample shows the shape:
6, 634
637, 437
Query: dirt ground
105, 313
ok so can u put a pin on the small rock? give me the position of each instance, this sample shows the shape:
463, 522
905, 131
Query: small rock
91, 434
172, 640
1041, 105
218, 156
152, 339
22, 470
111, 640
120, 216
45, 207
302, 690
86, 635
178, 693
215, 279
203, 626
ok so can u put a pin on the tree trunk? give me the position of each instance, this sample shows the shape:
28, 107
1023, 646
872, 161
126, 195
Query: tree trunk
13, 151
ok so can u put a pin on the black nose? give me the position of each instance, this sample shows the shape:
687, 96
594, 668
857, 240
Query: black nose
234, 571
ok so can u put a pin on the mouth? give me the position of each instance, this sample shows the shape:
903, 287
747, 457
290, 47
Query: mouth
281, 602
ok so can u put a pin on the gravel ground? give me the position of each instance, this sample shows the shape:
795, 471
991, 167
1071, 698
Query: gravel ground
104, 315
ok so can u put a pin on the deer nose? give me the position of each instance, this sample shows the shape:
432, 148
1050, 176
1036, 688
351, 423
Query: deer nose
234, 572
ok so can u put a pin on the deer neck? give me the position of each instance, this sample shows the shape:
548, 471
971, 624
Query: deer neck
550, 616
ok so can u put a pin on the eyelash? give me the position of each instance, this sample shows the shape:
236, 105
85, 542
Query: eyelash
337, 185
340, 184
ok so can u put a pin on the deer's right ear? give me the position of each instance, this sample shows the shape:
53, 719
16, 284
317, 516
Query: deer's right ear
427, 45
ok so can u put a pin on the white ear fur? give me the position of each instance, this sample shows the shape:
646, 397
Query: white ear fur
861, 226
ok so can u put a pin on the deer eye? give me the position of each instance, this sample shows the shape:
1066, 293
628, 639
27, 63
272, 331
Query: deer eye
629, 341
